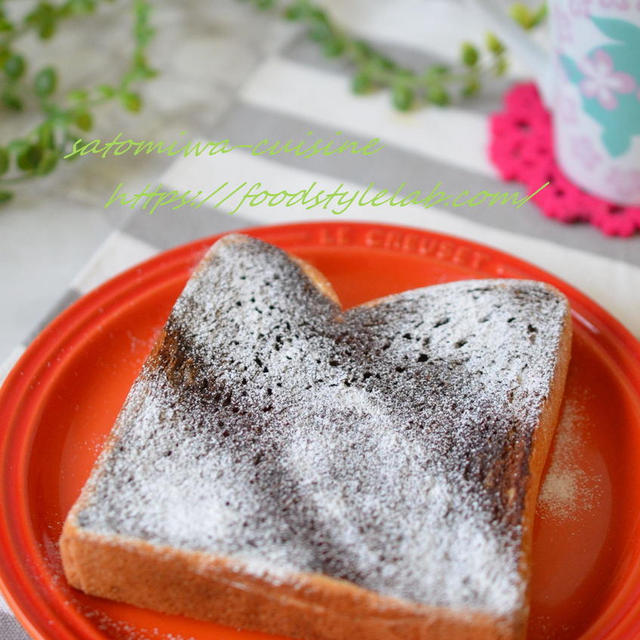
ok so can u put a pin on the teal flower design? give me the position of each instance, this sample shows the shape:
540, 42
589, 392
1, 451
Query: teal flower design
602, 81
608, 79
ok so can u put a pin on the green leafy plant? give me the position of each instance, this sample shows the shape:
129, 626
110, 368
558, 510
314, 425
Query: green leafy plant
526, 17
63, 118
437, 84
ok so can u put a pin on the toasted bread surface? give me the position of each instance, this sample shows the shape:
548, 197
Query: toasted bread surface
374, 472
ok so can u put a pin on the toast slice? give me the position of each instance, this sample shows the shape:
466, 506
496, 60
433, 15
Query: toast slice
286, 466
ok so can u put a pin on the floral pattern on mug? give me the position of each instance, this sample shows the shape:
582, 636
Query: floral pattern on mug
626, 181
568, 110
585, 152
580, 8
608, 79
602, 81
565, 26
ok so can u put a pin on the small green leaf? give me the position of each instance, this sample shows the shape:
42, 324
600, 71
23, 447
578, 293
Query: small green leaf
362, 83
294, 12
17, 146
4, 161
469, 54
436, 73
501, 66
438, 95
540, 14
439, 69
143, 35
15, 66
150, 73
319, 31
383, 65
363, 49
143, 9
46, 136
402, 97
521, 14
319, 15
45, 82
142, 66
29, 159
470, 88
82, 6
5, 196
47, 28
78, 95
48, 162
333, 47
43, 18
132, 102
106, 91
12, 101
405, 74
5, 25
494, 45
83, 120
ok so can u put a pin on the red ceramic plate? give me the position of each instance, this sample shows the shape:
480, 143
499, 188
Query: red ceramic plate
60, 401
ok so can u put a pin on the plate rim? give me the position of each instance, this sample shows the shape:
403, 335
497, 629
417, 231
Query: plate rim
67, 327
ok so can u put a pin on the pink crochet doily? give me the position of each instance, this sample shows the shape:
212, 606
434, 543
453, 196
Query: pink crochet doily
522, 149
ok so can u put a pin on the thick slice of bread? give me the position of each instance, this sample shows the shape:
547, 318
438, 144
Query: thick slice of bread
285, 466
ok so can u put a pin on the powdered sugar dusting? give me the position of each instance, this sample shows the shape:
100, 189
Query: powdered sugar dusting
567, 489
385, 445
111, 628
121, 630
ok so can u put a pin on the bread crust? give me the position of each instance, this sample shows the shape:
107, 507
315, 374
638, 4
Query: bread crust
202, 586
542, 439
305, 606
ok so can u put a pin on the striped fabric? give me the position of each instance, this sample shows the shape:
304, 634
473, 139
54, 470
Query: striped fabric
296, 91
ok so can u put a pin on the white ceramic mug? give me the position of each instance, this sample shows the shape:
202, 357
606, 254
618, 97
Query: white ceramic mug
590, 80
